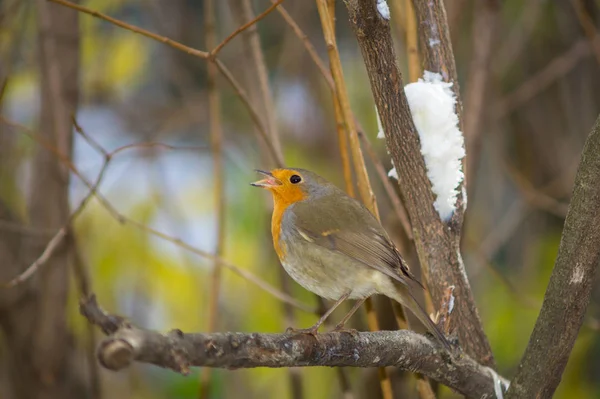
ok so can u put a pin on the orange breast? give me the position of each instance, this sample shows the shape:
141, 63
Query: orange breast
281, 202
276, 229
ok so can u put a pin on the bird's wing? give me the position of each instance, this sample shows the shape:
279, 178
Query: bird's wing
354, 232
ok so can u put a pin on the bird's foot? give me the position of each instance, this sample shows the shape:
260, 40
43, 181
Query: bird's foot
310, 331
340, 328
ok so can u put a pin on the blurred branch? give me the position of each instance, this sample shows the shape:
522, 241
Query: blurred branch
307, 45
437, 242
569, 290
197, 53
242, 28
258, 76
412, 41
512, 45
249, 276
387, 186
393, 197
257, 80
364, 187
177, 351
216, 139
589, 27
143, 32
365, 190
555, 69
486, 19
535, 197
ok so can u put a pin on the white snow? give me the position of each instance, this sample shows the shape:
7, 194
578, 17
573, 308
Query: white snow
434, 42
451, 300
383, 9
393, 173
380, 134
578, 274
432, 104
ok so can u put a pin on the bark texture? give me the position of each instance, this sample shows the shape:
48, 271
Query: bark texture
438, 243
570, 287
178, 351
40, 349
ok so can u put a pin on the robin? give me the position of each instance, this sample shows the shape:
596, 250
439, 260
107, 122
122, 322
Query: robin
330, 244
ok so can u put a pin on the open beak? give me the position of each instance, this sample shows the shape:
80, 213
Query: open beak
270, 181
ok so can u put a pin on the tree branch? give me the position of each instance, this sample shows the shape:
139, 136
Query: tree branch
177, 351
437, 243
569, 290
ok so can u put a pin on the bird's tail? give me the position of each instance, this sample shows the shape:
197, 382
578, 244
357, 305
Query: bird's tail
405, 297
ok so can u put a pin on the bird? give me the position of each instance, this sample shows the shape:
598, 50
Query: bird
333, 246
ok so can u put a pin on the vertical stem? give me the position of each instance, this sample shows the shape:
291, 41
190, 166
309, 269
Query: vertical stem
263, 96
412, 40
339, 121
364, 186
214, 110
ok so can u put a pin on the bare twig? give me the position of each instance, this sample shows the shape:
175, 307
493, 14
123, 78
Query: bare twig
307, 45
518, 37
55, 242
339, 117
569, 290
412, 39
277, 156
216, 133
484, 29
178, 351
362, 177
124, 219
364, 186
534, 196
387, 186
588, 25
556, 69
258, 72
189, 50
244, 27
437, 242
141, 31
82, 277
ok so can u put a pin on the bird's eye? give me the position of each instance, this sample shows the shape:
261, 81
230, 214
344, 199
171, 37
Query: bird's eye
295, 179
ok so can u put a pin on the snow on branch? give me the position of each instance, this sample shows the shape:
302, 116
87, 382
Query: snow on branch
432, 105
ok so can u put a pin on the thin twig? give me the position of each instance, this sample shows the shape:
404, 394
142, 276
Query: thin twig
82, 277
189, 50
555, 69
364, 186
412, 40
141, 31
55, 242
124, 219
244, 27
264, 91
484, 27
534, 196
277, 156
312, 52
216, 133
588, 25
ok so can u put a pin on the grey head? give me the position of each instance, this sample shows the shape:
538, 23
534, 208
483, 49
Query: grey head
315, 185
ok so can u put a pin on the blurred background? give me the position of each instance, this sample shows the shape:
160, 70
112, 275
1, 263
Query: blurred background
529, 74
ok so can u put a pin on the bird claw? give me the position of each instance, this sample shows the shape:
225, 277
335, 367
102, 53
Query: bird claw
310, 331
340, 328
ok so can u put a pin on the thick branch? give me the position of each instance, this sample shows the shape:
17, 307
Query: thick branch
178, 351
437, 243
569, 290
